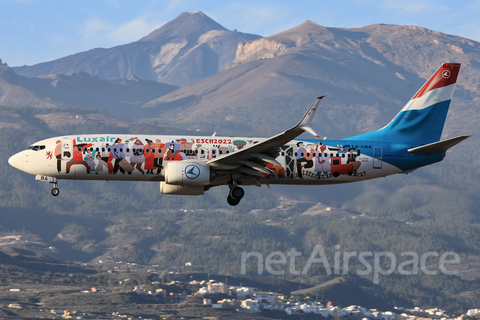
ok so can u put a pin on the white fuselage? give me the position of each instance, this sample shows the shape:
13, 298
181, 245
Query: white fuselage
144, 158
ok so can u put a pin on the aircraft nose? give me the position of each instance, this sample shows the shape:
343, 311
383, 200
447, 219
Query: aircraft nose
16, 161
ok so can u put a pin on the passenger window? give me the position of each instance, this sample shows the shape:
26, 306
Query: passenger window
283, 154
121, 149
98, 149
109, 150
147, 150
308, 154
79, 149
153, 150
343, 155
115, 150
220, 152
213, 151
331, 155
203, 152
127, 150
196, 151
296, 154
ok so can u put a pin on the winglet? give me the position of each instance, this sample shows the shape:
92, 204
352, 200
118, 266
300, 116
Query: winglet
307, 120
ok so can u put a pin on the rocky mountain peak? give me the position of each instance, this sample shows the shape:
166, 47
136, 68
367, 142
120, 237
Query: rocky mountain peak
194, 23
282, 43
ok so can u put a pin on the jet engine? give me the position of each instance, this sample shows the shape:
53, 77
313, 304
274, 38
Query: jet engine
185, 173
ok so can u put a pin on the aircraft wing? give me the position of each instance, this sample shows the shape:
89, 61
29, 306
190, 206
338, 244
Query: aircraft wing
267, 150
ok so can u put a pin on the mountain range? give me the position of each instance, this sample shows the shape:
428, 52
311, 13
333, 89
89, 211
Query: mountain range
189, 48
237, 82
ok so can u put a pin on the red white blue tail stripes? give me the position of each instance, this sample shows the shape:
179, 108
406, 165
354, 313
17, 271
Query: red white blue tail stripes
438, 88
421, 120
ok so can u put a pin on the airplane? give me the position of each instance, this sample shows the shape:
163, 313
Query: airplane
191, 165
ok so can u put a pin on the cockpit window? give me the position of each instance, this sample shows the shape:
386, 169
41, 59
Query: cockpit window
36, 148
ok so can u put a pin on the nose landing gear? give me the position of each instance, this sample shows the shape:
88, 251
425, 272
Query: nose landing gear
55, 190
236, 194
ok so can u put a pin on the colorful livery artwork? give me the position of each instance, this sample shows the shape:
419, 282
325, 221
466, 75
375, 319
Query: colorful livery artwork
190, 165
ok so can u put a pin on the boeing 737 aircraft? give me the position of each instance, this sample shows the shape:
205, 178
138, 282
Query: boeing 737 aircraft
191, 165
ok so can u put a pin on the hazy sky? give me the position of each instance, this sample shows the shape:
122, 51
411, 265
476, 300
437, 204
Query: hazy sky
33, 31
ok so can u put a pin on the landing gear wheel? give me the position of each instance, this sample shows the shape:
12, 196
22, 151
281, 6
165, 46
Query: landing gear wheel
55, 192
231, 201
237, 193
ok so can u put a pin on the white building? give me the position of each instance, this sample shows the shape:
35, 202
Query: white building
472, 312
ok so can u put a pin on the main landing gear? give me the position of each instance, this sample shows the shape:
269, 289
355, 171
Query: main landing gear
236, 194
55, 190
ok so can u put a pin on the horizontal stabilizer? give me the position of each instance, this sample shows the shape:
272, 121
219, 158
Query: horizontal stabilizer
437, 147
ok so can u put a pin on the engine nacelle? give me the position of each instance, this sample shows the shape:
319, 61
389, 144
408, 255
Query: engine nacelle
187, 173
194, 190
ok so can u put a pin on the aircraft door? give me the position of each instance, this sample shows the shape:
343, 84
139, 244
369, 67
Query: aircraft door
377, 157
67, 149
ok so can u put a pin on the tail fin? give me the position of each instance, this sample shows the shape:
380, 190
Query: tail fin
421, 120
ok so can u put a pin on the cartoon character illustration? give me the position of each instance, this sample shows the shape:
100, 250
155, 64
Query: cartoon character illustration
201, 151
353, 161
187, 148
149, 154
89, 157
322, 164
171, 151
58, 155
160, 150
302, 157
137, 158
118, 154
77, 157
102, 159
108, 158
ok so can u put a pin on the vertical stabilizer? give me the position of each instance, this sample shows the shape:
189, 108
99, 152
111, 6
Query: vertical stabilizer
421, 120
